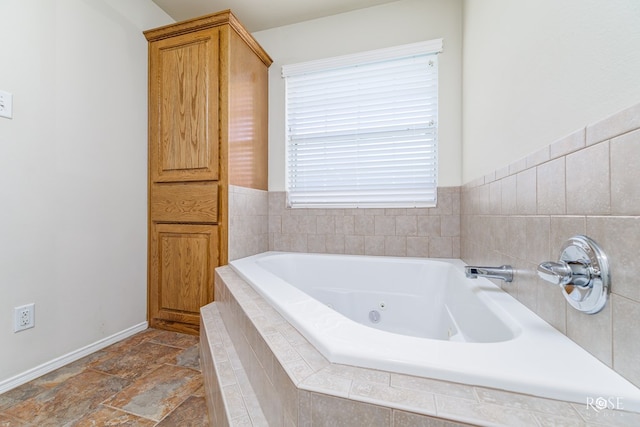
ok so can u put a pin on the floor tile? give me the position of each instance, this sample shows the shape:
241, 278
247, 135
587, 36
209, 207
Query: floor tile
192, 413
152, 377
68, 401
8, 421
157, 393
189, 358
19, 394
137, 360
175, 339
134, 340
111, 417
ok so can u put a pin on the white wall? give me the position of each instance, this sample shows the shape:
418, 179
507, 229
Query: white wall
73, 164
397, 23
537, 70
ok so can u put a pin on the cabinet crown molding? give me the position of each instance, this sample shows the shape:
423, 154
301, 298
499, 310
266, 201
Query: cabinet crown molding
225, 17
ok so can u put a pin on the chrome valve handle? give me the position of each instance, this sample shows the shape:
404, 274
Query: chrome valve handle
558, 273
582, 272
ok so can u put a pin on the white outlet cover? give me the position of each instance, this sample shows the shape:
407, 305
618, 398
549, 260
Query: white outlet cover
6, 104
23, 317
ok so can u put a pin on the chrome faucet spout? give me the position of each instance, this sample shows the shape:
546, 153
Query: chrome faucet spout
504, 272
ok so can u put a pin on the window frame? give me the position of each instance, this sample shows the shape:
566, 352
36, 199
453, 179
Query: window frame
421, 49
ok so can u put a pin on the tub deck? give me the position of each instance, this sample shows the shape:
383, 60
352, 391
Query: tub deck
293, 384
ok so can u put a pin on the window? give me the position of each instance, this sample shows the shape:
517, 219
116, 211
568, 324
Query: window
362, 129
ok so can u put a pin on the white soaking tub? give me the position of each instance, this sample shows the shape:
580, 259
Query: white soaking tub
423, 317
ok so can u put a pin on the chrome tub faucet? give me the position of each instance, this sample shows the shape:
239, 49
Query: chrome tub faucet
504, 272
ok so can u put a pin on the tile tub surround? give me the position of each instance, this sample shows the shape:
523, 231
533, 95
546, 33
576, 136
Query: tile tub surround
248, 222
261, 358
419, 232
586, 183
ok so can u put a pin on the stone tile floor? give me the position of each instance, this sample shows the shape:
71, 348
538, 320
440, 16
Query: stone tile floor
150, 379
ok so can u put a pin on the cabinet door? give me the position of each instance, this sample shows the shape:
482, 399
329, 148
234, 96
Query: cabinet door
183, 107
181, 274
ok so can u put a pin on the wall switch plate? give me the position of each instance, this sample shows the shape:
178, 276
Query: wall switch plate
6, 104
24, 317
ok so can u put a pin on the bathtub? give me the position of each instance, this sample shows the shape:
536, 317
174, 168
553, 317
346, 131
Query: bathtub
423, 317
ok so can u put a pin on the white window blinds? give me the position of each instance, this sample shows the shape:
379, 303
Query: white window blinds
362, 129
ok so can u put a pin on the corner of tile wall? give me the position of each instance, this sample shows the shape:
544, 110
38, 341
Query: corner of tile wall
584, 183
248, 222
420, 232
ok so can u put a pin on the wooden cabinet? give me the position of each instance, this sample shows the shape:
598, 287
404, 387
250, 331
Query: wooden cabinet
208, 82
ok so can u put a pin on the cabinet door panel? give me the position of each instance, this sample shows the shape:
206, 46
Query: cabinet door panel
184, 108
184, 202
183, 259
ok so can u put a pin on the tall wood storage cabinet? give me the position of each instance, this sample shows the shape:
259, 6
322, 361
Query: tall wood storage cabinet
208, 82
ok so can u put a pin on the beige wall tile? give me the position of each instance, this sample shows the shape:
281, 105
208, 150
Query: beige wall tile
551, 187
619, 238
495, 198
354, 245
304, 408
455, 202
538, 231
429, 226
588, 183
450, 225
562, 228
374, 245
406, 225
626, 337
482, 201
518, 166
335, 243
325, 224
568, 144
333, 411
455, 247
502, 172
625, 174
402, 398
417, 246
361, 374
490, 177
395, 245
617, 124
364, 225
525, 402
465, 409
316, 243
526, 284
509, 193
592, 332
277, 202
539, 157
552, 305
444, 204
526, 192
345, 224
407, 419
321, 382
385, 225
440, 247
444, 388
517, 229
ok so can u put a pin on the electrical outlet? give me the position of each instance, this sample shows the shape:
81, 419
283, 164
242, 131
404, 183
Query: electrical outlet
6, 104
24, 317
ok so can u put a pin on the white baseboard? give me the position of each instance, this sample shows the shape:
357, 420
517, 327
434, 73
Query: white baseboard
59, 362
